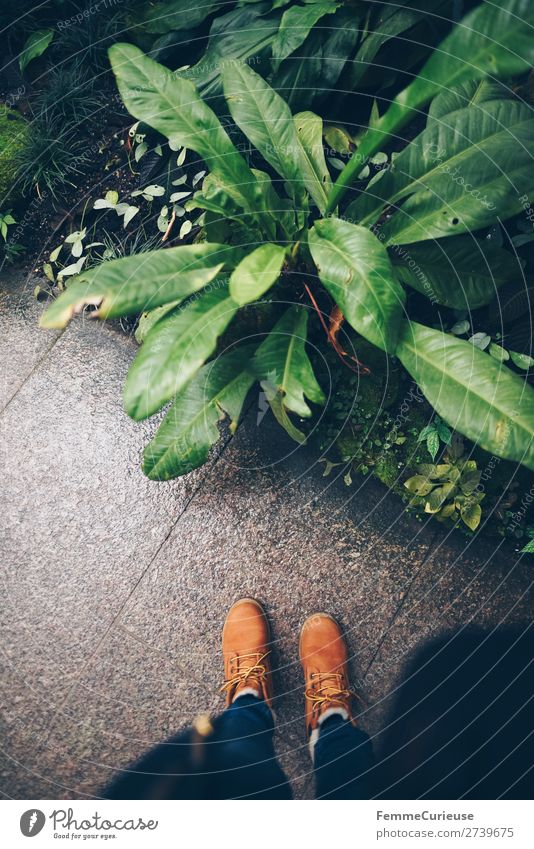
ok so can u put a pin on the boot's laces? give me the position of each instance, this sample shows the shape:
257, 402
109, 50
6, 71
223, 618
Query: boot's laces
329, 688
255, 669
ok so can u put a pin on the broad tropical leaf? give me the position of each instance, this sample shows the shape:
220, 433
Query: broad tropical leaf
462, 272
172, 15
355, 268
311, 157
475, 394
296, 23
312, 71
138, 283
172, 106
266, 120
256, 273
243, 34
174, 349
189, 429
474, 164
482, 166
282, 363
492, 39
392, 19
475, 93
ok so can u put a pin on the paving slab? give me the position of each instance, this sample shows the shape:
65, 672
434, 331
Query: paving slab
80, 522
116, 587
464, 583
261, 525
22, 348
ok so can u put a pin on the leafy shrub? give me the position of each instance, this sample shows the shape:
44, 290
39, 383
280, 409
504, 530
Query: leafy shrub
14, 137
310, 53
263, 234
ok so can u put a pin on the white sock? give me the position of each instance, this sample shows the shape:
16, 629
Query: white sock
334, 711
247, 691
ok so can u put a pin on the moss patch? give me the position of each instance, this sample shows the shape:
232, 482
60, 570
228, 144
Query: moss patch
14, 132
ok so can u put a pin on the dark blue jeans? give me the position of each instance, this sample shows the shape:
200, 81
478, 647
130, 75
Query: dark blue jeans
237, 761
243, 750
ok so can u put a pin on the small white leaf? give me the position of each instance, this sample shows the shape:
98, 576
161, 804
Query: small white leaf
76, 236
186, 228
181, 158
154, 191
140, 151
198, 177
77, 249
176, 196
75, 268
129, 214
55, 253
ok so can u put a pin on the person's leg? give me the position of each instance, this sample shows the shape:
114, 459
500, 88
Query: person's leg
230, 756
243, 749
342, 753
343, 760
243, 752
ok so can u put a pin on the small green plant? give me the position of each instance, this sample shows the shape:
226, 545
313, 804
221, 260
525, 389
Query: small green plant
49, 160
529, 547
6, 220
434, 433
68, 97
278, 236
449, 490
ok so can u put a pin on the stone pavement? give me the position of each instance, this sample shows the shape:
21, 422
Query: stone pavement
115, 587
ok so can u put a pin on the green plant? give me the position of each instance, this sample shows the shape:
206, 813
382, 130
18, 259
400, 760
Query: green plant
263, 234
49, 160
34, 46
67, 97
529, 547
15, 137
308, 52
6, 220
449, 490
434, 433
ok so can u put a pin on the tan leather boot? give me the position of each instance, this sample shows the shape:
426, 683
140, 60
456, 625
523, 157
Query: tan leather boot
324, 655
245, 645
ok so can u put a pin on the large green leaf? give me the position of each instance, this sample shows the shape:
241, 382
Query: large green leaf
256, 273
189, 429
296, 23
493, 39
355, 268
173, 15
475, 93
34, 46
172, 106
471, 190
473, 165
138, 283
311, 157
283, 366
391, 20
244, 34
462, 272
312, 71
474, 393
174, 349
266, 120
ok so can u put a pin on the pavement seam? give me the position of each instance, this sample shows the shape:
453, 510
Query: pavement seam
430, 550
34, 368
115, 622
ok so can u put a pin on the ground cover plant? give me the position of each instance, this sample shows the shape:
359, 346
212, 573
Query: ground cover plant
274, 229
